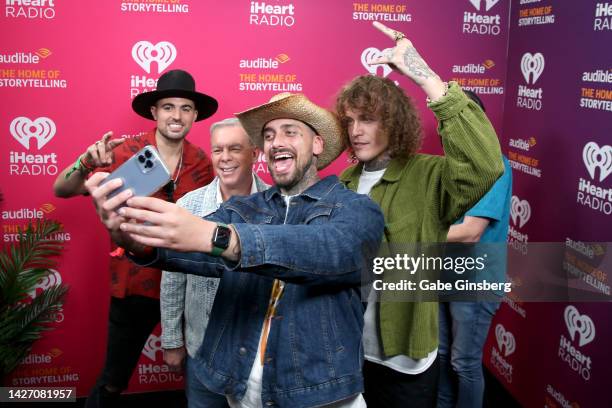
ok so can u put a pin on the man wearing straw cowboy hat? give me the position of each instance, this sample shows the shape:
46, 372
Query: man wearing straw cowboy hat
134, 308
285, 328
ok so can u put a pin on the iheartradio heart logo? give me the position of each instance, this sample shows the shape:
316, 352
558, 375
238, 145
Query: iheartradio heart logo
372, 54
505, 340
581, 324
488, 4
152, 346
144, 53
520, 211
52, 279
23, 129
594, 157
532, 65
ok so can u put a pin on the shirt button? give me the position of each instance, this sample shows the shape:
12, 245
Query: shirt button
242, 351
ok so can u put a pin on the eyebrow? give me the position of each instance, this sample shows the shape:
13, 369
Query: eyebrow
181, 106
219, 146
283, 127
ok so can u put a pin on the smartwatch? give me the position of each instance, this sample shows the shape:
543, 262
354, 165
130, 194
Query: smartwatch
220, 239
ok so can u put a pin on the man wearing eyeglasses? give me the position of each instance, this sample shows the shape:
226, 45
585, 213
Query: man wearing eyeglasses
134, 307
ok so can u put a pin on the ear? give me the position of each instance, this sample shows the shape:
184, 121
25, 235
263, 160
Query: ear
255, 154
195, 116
317, 145
154, 111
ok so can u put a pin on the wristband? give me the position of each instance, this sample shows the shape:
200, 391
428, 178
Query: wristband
80, 166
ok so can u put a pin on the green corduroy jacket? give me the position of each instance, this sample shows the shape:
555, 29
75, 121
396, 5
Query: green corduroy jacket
421, 196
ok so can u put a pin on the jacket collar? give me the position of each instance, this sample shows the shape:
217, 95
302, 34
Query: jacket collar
316, 191
392, 174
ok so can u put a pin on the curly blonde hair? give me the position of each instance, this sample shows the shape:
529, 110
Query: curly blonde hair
388, 103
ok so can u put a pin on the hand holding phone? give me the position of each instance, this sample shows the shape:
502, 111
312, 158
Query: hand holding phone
144, 173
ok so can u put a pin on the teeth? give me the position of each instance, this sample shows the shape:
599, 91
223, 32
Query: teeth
282, 156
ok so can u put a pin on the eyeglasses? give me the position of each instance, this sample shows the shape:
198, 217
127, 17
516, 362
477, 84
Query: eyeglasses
169, 189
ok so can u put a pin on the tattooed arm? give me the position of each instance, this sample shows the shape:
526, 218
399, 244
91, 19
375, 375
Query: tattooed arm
405, 59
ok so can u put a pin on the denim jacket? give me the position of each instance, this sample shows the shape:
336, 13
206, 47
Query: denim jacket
319, 247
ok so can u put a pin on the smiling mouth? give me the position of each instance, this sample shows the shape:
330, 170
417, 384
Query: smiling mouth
282, 161
227, 170
175, 127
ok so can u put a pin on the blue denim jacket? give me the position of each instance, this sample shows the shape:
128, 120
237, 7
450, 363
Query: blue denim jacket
320, 248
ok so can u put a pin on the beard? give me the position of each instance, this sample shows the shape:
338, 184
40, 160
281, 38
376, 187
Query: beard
288, 181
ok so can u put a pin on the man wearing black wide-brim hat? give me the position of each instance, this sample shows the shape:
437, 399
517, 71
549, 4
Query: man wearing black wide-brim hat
134, 306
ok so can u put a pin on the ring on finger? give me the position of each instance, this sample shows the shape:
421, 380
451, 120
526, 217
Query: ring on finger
398, 36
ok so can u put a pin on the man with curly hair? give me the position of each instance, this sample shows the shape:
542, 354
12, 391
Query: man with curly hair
420, 196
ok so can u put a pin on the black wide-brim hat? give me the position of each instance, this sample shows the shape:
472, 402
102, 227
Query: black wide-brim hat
175, 84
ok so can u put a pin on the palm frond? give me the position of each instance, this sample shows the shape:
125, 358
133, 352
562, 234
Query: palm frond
22, 267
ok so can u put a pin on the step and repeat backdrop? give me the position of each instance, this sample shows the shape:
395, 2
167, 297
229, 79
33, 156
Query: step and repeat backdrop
69, 70
557, 134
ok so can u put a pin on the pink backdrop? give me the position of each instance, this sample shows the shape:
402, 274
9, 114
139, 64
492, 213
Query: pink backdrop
69, 69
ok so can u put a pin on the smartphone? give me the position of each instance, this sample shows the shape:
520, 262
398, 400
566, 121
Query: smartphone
144, 173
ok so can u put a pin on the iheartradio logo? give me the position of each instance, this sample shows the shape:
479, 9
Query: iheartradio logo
372, 54
520, 211
42, 129
597, 157
144, 53
505, 340
152, 346
488, 4
532, 65
52, 279
579, 324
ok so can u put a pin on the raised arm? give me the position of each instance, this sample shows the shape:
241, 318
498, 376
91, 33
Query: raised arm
71, 181
472, 154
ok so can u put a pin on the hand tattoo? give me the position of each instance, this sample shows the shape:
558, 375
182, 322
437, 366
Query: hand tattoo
415, 64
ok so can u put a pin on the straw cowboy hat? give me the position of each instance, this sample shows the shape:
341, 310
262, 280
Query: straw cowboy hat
175, 84
298, 107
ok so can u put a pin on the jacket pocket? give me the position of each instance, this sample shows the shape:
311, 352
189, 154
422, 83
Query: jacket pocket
318, 214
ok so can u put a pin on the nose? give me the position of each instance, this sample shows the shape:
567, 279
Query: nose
279, 141
176, 114
355, 129
225, 155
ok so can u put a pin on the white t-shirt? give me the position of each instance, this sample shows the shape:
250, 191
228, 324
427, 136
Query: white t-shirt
371, 341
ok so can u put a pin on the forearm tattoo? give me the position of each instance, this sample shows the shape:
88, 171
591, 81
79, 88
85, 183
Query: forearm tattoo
415, 64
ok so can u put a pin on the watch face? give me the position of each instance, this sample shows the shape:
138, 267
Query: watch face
222, 237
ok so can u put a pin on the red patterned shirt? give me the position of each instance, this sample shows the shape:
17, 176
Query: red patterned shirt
196, 171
